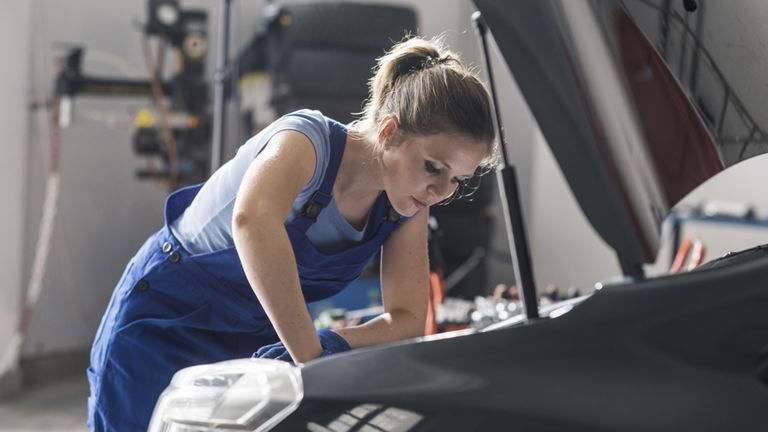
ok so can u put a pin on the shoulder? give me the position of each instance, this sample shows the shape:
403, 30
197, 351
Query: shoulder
311, 123
317, 129
275, 178
299, 143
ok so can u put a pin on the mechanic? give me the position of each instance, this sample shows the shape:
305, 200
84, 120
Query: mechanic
294, 217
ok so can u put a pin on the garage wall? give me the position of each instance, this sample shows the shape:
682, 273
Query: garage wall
14, 98
103, 213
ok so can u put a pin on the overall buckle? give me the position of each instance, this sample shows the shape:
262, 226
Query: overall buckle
317, 202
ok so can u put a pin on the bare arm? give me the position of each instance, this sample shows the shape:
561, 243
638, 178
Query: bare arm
264, 200
404, 285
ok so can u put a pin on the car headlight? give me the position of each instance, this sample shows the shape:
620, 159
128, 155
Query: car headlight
234, 395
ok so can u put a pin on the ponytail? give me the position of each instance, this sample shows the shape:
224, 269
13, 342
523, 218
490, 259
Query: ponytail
429, 90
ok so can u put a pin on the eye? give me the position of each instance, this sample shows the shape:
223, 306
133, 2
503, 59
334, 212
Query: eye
431, 168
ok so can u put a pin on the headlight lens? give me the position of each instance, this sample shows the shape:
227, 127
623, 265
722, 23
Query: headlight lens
234, 395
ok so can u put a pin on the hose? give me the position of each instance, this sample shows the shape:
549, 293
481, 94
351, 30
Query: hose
10, 356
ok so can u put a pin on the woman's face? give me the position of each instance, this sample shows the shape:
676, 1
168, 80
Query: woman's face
422, 170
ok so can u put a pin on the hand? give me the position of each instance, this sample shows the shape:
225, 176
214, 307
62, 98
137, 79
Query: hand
273, 351
330, 341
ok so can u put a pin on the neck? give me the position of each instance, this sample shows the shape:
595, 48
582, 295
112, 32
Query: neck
360, 171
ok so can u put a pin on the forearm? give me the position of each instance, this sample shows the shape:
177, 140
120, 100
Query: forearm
398, 324
404, 288
270, 266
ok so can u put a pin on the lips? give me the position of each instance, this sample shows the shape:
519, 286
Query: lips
421, 205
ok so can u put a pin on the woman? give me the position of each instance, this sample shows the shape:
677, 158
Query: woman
294, 217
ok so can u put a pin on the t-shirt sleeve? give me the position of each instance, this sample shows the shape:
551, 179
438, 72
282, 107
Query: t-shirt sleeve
313, 125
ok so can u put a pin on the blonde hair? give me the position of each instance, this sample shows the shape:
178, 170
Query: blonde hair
429, 90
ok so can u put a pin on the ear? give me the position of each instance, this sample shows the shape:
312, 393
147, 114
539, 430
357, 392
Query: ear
388, 127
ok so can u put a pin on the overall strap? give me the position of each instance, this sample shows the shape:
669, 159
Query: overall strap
322, 196
178, 201
384, 217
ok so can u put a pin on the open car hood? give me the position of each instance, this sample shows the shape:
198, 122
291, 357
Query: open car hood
622, 130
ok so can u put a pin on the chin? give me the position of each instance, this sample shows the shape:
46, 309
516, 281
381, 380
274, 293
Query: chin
408, 210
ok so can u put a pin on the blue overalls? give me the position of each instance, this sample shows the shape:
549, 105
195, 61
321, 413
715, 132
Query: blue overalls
172, 309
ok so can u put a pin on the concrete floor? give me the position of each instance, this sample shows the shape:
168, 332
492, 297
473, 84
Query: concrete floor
59, 406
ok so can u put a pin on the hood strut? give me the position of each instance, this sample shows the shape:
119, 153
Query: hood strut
510, 197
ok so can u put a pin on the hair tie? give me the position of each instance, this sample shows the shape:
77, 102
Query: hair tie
416, 63
408, 65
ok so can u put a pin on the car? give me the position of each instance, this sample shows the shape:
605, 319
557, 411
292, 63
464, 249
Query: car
686, 351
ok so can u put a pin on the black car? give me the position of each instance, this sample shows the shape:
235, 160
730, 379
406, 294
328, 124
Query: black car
677, 352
